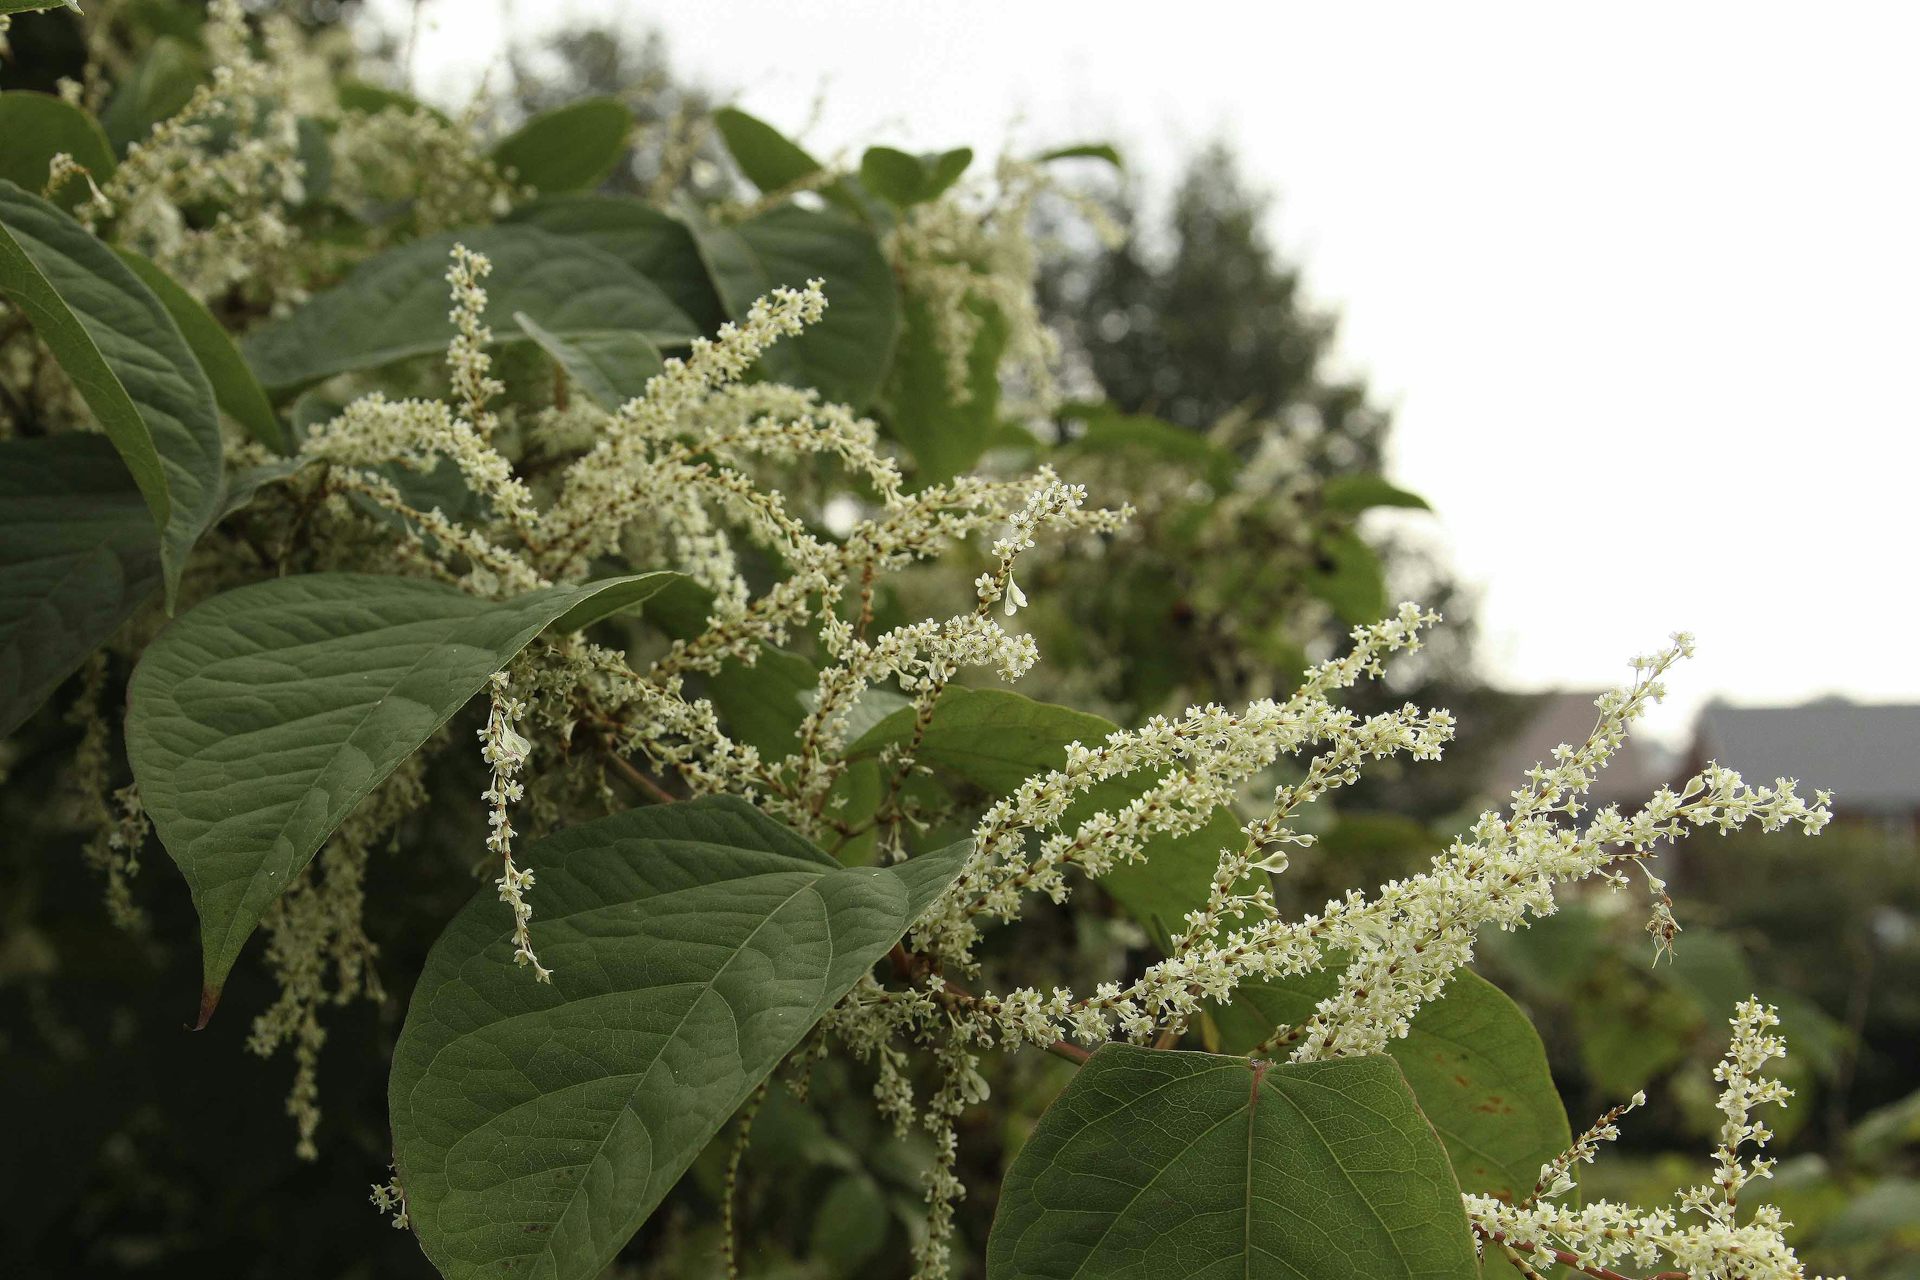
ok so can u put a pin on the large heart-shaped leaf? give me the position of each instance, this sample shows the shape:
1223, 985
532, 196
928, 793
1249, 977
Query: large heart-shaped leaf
1156, 1163
1472, 1059
395, 305
846, 355
996, 739
258, 720
34, 127
693, 946
127, 359
235, 389
78, 553
570, 148
654, 244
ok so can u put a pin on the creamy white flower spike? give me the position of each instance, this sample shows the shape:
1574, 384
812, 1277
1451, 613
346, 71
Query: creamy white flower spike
505, 752
1703, 1236
1400, 946
234, 146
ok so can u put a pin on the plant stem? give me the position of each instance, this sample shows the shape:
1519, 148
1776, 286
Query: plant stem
1566, 1259
639, 779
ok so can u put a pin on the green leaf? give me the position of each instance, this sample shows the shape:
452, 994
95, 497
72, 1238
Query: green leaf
611, 597
571, 148
127, 359
845, 356
395, 305
1349, 578
944, 169
766, 156
609, 366
693, 946
945, 435
33, 127
1884, 1130
258, 720
314, 147
1085, 151
906, 179
850, 1225
1107, 430
1472, 1059
1156, 1163
245, 484
78, 554
159, 85
996, 739
774, 163
763, 704
893, 175
33, 6
653, 243
371, 99
235, 389
1360, 492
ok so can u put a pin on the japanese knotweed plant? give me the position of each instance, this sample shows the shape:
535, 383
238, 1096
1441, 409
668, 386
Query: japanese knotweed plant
606, 511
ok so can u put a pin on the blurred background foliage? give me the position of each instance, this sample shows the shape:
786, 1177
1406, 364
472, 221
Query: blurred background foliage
1192, 359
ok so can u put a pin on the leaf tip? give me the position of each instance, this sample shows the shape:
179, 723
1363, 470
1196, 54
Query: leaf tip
209, 1000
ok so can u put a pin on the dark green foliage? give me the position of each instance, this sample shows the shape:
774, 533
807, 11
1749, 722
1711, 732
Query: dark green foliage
260, 720
1187, 1163
535, 1126
78, 554
395, 306
126, 357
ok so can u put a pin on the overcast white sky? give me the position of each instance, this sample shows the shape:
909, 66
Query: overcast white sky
1643, 282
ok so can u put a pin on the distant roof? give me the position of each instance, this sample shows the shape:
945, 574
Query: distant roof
1568, 716
1867, 755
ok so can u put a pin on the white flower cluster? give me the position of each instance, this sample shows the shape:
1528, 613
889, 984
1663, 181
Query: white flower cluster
1400, 946
317, 946
1744, 1088
373, 430
505, 753
1403, 944
663, 443
413, 154
467, 359
1704, 1238
670, 470
389, 1198
234, 147
1557, 1175
1208, 754
970, 256
922, 658
62, 169
118, 822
